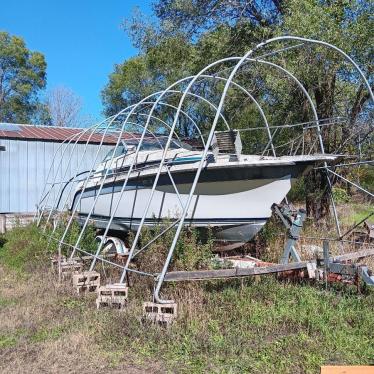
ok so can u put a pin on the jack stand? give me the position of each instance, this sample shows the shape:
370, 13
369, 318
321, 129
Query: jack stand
162, 314
112, 296
87, 281
294, 224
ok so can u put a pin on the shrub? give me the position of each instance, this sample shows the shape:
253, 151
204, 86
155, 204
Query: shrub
24, 247
340, 195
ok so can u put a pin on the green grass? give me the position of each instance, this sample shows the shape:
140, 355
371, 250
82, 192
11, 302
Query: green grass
261, 328
23, 247
354, 213
222, 327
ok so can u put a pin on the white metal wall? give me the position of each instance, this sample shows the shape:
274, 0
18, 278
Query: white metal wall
24, 167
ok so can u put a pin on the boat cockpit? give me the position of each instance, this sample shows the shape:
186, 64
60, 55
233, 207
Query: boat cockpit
129, 146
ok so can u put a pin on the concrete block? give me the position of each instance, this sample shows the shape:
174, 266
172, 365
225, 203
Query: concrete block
112, 296
86, 281
162, 314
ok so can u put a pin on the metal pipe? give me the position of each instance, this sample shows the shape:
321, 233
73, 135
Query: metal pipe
58, 167
101, 244
48, 174
350, 182
67, 167
314, 41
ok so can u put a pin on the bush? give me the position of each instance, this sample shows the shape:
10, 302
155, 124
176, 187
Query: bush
24, 247
88, 242
340, 195
367, 177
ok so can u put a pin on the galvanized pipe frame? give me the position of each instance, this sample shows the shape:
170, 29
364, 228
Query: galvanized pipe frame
111, 120
43, 194
102, 259
125, 183
350, 182
126, 132
57, 172
67, 168
201, 163
254, 101
130, 133
71, 217
86, 145
267, 126
348, 58
69, 223
103, 238
132, 164
259, 107
90, 173
185, 93
161, 103
92, 128
98, 126
131, 111
68, 140
205, 152
326, 44
90, 178
130, 169
179, 108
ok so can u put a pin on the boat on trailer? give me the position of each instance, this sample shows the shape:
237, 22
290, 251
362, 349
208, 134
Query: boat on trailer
233, 196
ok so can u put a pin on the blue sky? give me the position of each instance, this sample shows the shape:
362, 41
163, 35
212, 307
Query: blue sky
81, 40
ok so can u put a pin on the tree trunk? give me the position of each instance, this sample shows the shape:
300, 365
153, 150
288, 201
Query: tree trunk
317, 194
316, 183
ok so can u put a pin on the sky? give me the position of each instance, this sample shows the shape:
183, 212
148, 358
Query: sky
81, 40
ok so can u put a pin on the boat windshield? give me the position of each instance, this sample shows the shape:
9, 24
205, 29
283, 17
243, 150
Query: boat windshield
147, 145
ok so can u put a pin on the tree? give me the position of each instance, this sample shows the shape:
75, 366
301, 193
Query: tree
22, 77
63, 106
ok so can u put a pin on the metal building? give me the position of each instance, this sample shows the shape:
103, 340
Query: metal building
26, 154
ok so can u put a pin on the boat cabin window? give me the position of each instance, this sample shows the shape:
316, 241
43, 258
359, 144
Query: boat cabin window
147, 145
121, 149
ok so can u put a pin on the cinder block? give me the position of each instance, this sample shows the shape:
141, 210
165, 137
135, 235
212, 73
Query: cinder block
112, 296
163, 314
86, 281
68, 267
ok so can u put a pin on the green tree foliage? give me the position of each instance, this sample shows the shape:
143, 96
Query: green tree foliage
22, 76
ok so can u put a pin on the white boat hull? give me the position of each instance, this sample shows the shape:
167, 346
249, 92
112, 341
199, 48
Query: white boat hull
240, 213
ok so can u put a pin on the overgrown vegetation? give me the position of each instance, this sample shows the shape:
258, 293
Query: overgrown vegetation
235, 326
24, 248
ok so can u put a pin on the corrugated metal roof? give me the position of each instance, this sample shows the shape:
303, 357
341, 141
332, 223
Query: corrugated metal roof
53, 134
